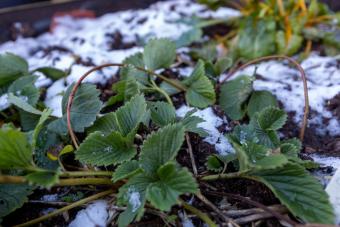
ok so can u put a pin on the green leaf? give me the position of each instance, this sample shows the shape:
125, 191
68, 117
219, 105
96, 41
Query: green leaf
125, 90
207, 52
301, 193
200, 91
256, 38
15, 150
24, 87
173, 182
159, 53
12, 197
21, 102
11, 68
44, 116
291, 47
161, 147
190, 123
266, 137
98, 149
132, 194
233, 96
188, 37
85, 107
130, 71
244, 133
52, 73
47, 142
259, 100
44, 179
272, 118
162, 113
222, 65
125, 120
126, 170
214, 164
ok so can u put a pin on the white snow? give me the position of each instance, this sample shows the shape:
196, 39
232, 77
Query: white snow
327, 160
323, 80
50, 198
334, 196
4, 102
134, 199
95, 215
186, 221
212, 122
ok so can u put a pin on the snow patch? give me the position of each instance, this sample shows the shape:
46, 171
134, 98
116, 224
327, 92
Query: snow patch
134, 199
4, 104
326, 160
50, 198
95, 215
334, 196
210, 125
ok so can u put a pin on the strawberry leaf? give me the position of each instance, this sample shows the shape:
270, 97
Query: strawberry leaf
259, 100
126, 170
44, 179
85, 107
159, 53
24, 87
301, 193
162, 113
21, 102
11, 68
233, 96
200, 91
125, 120
161, 147
98, 149
129, 71
272, 118
15, 150
52, 73
132, 194
173, 181
12, 197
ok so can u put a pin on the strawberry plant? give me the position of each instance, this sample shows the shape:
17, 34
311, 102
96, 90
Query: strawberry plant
277, 27
133, 152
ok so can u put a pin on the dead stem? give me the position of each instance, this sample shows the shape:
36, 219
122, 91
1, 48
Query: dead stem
214, 208
256, 204
303, 78
192, 157
204, 217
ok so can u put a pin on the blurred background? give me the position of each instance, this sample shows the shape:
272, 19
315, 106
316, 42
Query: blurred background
30, 18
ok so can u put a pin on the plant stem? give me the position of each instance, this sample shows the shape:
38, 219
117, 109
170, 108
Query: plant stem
66, 208
222, 176
204, 217
6, 179
85, 173
161, 91
84, 181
